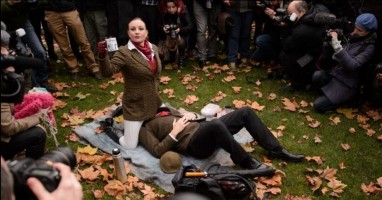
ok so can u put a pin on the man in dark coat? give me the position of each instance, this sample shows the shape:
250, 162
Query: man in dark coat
341, 84
303, 45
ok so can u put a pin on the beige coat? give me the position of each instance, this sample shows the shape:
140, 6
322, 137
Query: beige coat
11, 126
140, 98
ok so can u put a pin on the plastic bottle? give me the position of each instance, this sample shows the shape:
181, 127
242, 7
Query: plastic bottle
119, 166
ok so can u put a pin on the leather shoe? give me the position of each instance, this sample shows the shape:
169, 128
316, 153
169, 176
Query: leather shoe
286, 155
261, 169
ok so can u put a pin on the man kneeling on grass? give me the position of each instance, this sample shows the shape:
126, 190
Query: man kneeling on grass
171, 131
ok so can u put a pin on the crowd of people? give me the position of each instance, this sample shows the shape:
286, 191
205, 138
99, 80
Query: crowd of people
288, 39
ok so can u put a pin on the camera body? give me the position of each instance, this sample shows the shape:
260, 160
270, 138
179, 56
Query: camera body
42, 169
281, 15
172, 28
340, 34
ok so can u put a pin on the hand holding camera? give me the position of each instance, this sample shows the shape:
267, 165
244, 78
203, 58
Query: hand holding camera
68, 188
335, 43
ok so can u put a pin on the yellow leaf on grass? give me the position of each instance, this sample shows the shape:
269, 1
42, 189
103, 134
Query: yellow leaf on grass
348, 112
345, 147
87, 150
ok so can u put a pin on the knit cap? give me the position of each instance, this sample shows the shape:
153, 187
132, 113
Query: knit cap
367, 21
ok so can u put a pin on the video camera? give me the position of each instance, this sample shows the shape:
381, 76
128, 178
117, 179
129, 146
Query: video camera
41, 169
172, 28
341, 26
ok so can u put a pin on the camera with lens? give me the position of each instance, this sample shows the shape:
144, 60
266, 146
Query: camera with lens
172, 28
42, 169
281, 15
328, 36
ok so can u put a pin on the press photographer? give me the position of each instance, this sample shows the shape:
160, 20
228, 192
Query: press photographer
341, 85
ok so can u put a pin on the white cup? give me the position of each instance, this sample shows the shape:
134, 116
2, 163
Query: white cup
111, 44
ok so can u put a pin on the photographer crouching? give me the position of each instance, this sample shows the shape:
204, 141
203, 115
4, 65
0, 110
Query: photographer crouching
341, 84
47, 178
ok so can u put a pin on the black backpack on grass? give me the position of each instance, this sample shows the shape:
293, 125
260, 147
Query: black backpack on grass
215, 181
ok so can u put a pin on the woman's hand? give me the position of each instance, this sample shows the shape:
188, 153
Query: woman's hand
178, 126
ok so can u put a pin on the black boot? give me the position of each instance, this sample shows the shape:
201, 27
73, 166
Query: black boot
202, 64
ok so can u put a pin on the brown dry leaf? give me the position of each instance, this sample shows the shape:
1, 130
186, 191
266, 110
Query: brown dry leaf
148, 192
317, 139
316, 159
352, 130
324, 190
60, 94
362, 119
257, 106
277, 134
106, 175
169, 92
191, 87
336, 185
291, 197
375, 115
73, 137
89, 173
60, 86
342, 165
236, 89
315, 182
164, 80
334, 120
304, 104
104, 86
113, 92
190, 99
348, 112
379, 182
315, 124
370, 189
281, 128
218, 97
306, 137
114, 187
81, 96
345, 147
98, 194
328, 173
274, 190
272, 96
309, 118
258, 93
289, 105
238, 103
59, 104
87, 150
229, 78
379, 137
302, 111
370, 132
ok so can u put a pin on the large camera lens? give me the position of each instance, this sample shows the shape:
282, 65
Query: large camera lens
61, 155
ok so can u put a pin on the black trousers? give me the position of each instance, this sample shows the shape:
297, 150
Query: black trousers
219, 133
32, 140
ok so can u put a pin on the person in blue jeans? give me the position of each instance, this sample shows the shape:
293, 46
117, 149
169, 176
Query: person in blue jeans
206, 12
239, 37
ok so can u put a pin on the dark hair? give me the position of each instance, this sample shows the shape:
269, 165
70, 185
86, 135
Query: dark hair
179, 3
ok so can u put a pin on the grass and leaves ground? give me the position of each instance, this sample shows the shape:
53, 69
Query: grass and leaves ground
342, 148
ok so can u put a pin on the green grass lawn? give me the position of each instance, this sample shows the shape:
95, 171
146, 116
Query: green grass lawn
362, 160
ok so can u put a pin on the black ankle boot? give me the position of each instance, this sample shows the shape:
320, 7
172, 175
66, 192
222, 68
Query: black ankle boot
202, 64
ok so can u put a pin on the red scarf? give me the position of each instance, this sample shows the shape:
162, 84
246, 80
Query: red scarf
146, 50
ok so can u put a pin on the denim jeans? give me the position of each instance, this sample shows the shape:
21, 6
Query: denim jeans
205, 18
265, 49
240, 35
30, 38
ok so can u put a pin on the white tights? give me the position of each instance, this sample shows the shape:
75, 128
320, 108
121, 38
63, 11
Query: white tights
131, 134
